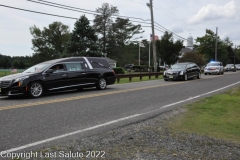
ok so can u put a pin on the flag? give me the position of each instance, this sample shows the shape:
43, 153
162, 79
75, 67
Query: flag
156, 37
141, 44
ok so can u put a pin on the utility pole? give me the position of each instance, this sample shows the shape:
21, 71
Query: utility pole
216, 44
153, 37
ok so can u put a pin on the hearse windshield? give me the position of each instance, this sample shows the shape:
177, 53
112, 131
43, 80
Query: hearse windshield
37, 68
179, 66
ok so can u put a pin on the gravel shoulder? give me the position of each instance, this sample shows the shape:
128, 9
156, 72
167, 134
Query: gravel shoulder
150, 139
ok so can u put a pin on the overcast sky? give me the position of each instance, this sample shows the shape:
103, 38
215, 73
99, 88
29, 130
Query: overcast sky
181, 17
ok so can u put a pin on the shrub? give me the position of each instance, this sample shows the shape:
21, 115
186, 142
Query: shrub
118, 70
140, 68
152, 68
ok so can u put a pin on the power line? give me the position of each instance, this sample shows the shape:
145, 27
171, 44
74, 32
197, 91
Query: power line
80, 9
163, 31
173, 16
175, 35
90, 11
37, 12
55, 14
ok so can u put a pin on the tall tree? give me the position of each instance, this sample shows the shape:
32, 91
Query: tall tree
169, 51
120, 33
50, 42
83, 40
193, 57
125, 30
103, 21
206, 45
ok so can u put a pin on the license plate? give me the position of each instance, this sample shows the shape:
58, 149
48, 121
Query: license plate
170, 76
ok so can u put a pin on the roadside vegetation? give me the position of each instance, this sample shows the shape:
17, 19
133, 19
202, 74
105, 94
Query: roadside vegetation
217, 116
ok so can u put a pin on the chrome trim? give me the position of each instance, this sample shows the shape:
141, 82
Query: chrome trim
5, 83
89, 64
9, 94
72, 86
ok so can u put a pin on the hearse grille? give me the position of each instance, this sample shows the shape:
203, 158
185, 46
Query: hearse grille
4, 84
172, 73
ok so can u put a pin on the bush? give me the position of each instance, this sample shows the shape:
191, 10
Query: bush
118, 70
140, 68
152, 68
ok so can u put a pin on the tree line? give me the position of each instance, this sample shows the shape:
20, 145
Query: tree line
111, 36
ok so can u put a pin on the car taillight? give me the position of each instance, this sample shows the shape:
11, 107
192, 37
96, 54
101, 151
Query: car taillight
113, 72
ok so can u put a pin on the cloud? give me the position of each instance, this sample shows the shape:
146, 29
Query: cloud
178, 28
215, 12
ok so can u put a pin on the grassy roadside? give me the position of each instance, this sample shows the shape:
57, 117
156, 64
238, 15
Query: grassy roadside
217, 116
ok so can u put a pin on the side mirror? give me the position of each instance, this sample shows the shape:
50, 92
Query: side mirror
49, 71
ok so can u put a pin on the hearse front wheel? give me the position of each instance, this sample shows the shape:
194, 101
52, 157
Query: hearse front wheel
35, 90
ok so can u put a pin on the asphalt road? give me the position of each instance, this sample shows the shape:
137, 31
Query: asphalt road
57, 118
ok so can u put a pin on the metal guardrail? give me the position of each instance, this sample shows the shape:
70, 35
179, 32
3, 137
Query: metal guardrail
130, 76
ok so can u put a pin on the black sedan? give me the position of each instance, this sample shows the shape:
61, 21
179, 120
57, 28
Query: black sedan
230, 67
182, 71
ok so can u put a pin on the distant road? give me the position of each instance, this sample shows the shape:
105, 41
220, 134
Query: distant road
67, 115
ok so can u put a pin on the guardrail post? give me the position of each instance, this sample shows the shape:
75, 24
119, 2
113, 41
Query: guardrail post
118, 80
130, 79
140, 78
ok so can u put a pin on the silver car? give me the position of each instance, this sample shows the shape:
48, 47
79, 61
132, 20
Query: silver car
214, 68
237, 66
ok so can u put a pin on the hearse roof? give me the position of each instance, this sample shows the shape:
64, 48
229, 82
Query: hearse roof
70, 59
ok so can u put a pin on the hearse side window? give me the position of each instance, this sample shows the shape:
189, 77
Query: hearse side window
74, 66
98, 65
58, 68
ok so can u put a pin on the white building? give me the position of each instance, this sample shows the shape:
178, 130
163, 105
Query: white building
189, 47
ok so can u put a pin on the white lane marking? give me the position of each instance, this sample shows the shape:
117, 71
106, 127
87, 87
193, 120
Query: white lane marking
108, 123
66, 135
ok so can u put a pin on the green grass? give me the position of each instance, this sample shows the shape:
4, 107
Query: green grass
137, 79
217, 116
6, 73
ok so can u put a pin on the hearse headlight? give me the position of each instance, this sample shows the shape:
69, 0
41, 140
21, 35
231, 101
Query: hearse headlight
181, 73
164, 73
20, 80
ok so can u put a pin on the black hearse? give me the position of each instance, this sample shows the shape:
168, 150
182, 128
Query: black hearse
59, 74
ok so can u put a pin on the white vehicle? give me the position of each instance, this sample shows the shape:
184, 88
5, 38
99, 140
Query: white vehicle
214, 68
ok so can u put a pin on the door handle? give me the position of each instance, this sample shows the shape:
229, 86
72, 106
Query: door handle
83, 73
64, 75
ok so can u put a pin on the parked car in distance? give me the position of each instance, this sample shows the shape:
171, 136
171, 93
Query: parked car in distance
237, 66
59, 74
230, 67
214, 68
128, 66
182, 71
164, 67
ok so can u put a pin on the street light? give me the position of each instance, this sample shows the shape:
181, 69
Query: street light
140, 44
